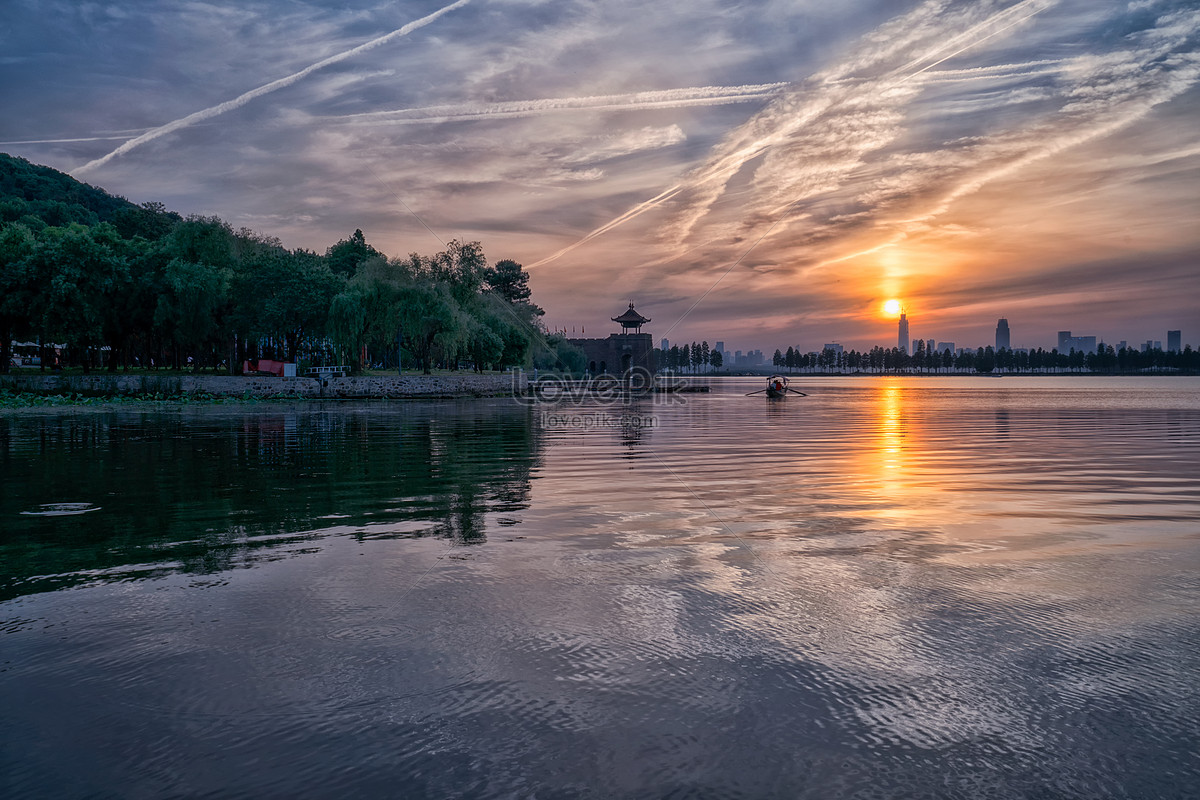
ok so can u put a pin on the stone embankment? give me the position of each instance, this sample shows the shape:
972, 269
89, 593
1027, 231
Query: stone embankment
356, 388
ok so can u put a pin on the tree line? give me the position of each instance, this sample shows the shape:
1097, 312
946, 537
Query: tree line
1106, 360
120, 285
694, 357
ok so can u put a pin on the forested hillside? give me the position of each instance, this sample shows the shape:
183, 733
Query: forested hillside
96, 280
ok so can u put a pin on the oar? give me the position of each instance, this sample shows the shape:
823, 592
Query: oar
795, 391
751, 394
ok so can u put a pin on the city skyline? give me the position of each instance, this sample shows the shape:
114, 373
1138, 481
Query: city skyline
1172, 340
775, 172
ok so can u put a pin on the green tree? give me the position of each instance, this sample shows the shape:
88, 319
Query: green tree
151, 221
509, 280
349, 324
81, 271
17, 287
291, 294
345, 256
560, 354
430, 320
189, 312
202, 240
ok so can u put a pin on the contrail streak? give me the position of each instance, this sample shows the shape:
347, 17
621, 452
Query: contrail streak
67, 141
242, 99
729, 163
628, 215
665, 98
973, 42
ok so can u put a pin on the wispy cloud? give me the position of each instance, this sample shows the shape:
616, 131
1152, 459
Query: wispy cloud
833, 155
515, 109
817, 131
267, 88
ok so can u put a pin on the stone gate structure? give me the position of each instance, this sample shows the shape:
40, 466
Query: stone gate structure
623, 351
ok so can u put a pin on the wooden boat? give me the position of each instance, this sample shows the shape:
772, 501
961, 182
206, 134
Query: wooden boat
777, 388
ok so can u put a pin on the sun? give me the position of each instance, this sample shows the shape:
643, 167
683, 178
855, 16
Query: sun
891, 307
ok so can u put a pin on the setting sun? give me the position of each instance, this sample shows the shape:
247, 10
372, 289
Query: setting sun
891, 307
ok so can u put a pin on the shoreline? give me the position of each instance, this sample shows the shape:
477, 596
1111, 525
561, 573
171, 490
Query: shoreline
58, 390
168, 387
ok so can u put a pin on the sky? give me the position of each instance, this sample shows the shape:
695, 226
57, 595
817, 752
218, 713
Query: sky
765, 173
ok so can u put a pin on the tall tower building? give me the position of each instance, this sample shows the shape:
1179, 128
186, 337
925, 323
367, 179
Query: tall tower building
1174, 341
1002, 335
903, 333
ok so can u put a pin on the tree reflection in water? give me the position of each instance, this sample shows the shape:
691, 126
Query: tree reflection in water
207, 489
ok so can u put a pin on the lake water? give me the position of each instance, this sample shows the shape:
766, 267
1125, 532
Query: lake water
889, 588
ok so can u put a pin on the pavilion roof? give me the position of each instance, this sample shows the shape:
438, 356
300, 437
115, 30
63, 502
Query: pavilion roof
630, 318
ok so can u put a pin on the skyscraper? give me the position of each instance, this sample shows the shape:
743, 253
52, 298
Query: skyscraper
1002, 335
903, 333
1174, 341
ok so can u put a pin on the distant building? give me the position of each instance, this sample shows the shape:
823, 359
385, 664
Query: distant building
1122, 345
944, 346
1174, 341
752, 358
622, 351
664, 344
929, 345
1085, 343
1003, 339
720, 348
903, 337
834, 346
1067, 343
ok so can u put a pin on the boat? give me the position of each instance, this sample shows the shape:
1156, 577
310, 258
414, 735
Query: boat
777, 388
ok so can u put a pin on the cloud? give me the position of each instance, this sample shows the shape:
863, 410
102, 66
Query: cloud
813, 153
830, 168
515, 109
818, 131
246, 97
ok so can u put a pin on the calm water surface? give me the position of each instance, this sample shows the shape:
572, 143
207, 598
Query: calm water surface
889, 588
